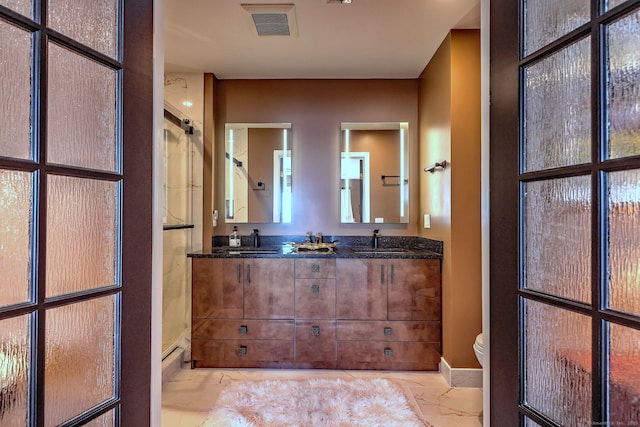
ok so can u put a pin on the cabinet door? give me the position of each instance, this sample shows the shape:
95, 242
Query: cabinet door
315, 341
414, 289
361, 289
315, 298
268, 288
217, 288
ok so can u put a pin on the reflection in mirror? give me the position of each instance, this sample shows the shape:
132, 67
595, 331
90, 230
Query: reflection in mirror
374, 173
258, 172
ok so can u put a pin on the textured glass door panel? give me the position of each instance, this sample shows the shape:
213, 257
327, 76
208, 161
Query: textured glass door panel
94, 23
82, 111
105, 420
557, 237
558, 363
623, 90
557, 126
14, 370
624, 376
15, 90
23, 7
79, 356
623, 249
548, 20
82, 233
16, 211
613, 3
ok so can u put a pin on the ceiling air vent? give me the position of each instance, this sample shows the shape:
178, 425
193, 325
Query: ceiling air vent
272, 19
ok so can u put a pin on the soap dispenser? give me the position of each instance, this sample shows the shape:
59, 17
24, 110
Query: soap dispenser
234, 238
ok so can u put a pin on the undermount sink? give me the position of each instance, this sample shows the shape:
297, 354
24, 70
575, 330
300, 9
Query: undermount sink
380, 250
249, 251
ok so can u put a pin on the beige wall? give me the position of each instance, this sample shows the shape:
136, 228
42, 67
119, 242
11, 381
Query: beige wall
449, 115
316, 108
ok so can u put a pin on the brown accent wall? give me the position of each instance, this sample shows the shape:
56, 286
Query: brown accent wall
316, 108
385, 195
449, 114
262, 143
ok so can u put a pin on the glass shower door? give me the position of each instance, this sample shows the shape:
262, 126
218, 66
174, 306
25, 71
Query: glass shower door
177, 231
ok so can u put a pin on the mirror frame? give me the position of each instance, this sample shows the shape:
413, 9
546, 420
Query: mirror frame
402, 178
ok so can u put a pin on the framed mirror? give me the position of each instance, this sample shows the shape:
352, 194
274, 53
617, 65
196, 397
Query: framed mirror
258, 173
374, 173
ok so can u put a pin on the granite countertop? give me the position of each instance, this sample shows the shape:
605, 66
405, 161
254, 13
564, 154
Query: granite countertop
391, 247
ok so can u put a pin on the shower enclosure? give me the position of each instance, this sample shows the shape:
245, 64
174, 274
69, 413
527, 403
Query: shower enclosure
178, 228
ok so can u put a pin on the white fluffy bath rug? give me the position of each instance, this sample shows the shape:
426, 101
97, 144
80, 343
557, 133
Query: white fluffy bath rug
315, 402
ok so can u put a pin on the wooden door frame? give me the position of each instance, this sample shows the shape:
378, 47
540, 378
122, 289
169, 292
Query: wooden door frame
137, 206
503, 223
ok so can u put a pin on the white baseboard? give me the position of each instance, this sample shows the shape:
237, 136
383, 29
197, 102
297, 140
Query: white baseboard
172, 363
460, 377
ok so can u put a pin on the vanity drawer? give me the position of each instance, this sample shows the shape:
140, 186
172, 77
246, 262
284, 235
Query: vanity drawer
243, 329
315, 340
389, 331
315, 298
238, 353
315, 268
395, 355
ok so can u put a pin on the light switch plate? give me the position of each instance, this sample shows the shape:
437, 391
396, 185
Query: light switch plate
427, 221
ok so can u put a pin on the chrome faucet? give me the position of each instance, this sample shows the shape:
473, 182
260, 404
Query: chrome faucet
375, 242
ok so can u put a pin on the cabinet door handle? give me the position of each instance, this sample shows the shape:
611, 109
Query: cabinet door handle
315, 289
243, 330
242, 350
249, 273
382, 274
238, 273
388, 352
393, 274
388, 331
315, 268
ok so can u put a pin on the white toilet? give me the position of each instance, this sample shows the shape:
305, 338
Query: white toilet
478, 347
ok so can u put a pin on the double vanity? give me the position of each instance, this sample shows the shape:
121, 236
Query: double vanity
287, 305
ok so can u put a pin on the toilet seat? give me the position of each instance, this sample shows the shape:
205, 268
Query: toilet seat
478, 346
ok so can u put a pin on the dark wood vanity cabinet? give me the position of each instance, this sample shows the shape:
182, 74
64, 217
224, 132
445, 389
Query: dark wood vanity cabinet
394, 289
316, 313
236, 302
389, 314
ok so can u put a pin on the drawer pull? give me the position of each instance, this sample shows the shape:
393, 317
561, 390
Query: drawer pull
242, 330
242, 350
388, 352
388, 332
315, 330
315, 268
315, 289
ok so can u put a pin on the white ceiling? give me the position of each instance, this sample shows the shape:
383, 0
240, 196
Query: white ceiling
364, 39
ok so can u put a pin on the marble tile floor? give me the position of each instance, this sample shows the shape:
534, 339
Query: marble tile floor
190, 393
